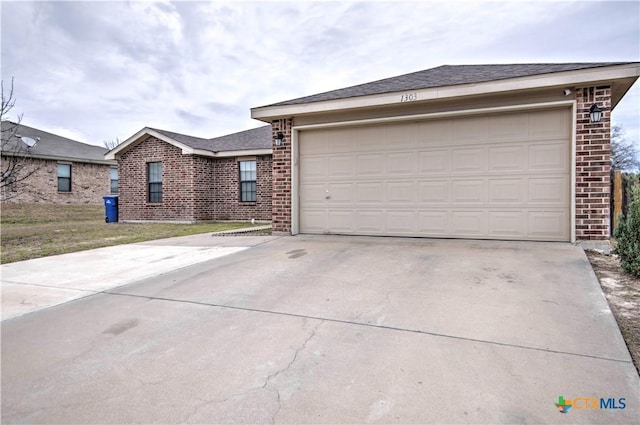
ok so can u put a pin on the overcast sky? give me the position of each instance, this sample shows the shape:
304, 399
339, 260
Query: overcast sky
95, 71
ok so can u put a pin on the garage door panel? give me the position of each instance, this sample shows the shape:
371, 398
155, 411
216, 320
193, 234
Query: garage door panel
433, 162
313, 167
548, 156
315, 142
508, 224
434, 192
401, 222
505, 190
371, 138
341, 166
404, 136
548, 225
370, 192
469, 191
436, 133
549, 124
340, 192
370, 165
370, 221
493, 176
313, 220
474, 129
312, 193
469, 160
340, 140
341, 221
401, 192
509, 127
401, 163
434, 223
551, 190
507, 158
469, 223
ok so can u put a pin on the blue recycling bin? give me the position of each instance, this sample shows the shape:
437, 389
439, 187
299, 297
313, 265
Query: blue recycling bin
110, 208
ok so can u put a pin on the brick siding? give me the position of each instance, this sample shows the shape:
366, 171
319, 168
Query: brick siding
281, 215
194, 188
593, 165
89, 183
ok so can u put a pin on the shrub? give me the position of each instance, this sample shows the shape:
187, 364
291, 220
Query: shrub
627, 235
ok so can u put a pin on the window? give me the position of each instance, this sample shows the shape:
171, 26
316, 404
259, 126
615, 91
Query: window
247, 181
113, 176
64, 177
154, 181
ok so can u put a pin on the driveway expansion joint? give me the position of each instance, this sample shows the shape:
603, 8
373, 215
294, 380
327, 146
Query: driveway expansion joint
370, 325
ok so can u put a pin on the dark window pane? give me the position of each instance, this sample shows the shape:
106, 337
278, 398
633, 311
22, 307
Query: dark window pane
64, 184
114, 186
155, 192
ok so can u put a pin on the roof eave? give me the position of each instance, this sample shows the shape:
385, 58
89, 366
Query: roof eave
62, 158
627, 74
140, 136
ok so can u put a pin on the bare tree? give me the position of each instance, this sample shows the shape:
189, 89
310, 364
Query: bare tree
16, 164
624, 153
112, 143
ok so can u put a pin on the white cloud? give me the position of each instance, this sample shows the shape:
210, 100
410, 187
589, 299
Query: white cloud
106, 69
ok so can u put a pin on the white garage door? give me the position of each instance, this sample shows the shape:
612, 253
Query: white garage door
503, 176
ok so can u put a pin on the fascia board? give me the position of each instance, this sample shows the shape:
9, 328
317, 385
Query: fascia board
252, 152
569, 78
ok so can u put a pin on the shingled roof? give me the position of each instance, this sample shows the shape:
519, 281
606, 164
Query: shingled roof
256, 138
446, 75
51, 146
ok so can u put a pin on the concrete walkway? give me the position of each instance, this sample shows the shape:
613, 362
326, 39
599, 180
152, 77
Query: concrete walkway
32, 285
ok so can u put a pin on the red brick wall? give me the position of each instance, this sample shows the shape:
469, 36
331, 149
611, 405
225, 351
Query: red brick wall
89, 183
227, 195
593, 166
194, 188
281, 215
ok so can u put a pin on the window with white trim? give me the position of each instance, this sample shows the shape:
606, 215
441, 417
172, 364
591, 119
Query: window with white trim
247, 181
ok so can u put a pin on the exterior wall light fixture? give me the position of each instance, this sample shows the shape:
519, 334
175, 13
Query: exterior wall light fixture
279, 138
595, 114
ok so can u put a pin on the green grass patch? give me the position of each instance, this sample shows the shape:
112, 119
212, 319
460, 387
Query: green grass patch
31, 231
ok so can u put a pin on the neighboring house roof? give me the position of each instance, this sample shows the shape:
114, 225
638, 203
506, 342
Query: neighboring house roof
459, 81
50, 146
446, 75
256, 141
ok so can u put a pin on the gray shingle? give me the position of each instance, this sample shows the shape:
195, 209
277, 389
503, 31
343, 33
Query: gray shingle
256, 138
446, 75
54, 146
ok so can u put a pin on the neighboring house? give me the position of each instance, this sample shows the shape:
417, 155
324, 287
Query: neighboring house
471, 151
62, 171
167, 176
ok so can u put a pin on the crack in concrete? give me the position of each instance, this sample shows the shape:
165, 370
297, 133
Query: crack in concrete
286, 368
264, 386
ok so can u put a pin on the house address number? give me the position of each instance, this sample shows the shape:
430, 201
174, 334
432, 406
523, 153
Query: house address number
408, 97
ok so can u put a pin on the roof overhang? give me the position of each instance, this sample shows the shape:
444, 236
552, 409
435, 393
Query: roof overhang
621, 77
60, 158
141, 135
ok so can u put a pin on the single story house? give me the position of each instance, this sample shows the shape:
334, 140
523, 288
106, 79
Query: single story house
43, 168
166, 176
516, 152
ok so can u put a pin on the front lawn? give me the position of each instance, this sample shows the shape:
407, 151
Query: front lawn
30, 230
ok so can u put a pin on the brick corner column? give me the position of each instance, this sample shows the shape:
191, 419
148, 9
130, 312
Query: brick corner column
281, 195
593, 164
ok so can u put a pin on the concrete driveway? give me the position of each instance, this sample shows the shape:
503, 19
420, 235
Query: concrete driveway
330, 330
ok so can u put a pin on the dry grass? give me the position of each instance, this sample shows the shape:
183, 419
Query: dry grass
32, 231
623, 293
